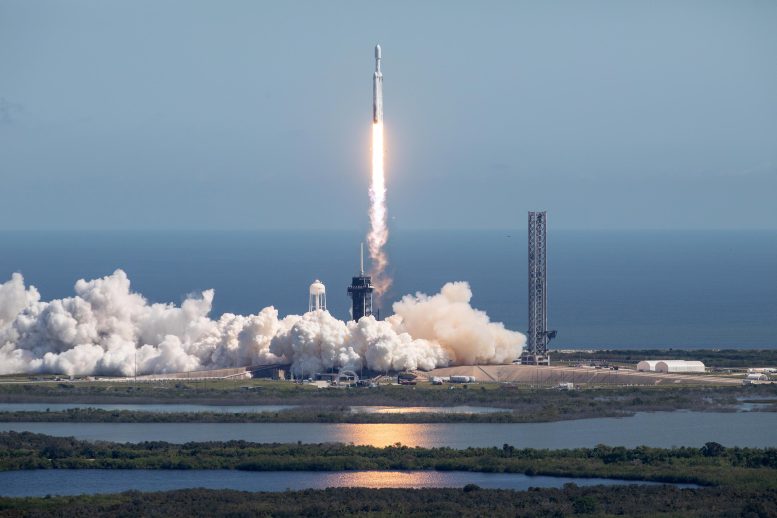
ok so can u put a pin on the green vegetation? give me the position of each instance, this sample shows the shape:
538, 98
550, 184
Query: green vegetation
331, 414
724, 358
712, 465
527, 405
346, 502
739, 481
335, 414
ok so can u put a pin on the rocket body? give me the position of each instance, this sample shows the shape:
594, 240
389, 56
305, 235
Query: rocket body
377, 90
377, 237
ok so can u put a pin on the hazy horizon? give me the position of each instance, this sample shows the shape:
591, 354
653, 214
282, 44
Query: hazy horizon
608, 288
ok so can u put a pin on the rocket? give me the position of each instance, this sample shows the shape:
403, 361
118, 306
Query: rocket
377, 90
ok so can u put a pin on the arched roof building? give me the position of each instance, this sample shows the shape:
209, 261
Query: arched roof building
679, 366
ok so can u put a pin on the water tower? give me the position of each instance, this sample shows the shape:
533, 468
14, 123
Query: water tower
317, 299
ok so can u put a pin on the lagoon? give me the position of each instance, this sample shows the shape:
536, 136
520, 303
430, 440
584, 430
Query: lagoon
656, 429
93, 481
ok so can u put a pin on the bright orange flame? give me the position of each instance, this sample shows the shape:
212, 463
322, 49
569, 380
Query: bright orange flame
378, 234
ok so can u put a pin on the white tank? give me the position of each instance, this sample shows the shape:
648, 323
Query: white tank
317, 298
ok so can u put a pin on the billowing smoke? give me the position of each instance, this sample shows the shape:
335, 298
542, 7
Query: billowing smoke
107, 329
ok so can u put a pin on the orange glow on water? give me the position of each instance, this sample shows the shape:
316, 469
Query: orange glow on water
383, 434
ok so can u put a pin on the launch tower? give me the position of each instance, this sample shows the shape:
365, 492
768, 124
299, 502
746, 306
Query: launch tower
360, 292
538, 336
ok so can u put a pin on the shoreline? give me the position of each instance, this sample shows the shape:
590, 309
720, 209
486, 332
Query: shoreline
710, 465
302, 415
521, 405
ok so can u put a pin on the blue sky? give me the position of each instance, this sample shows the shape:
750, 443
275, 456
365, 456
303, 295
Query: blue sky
252, 115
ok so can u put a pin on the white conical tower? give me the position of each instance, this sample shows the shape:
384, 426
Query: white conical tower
317, 298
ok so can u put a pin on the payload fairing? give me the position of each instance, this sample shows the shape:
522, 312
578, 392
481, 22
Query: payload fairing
377, 90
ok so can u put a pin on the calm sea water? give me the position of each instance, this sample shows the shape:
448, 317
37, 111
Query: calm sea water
657, 429
92, 481
607, 289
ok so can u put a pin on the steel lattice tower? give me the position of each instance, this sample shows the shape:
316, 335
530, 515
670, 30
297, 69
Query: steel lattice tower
537, 343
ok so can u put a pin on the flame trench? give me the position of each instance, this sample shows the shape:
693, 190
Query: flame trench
378, 234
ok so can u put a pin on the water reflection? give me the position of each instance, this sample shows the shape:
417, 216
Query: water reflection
93, 481
385, 434
462, 409
382, 479
656, 429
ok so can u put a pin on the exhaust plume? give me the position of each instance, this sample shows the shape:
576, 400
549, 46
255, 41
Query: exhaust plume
105, 328
377, 237
378, 234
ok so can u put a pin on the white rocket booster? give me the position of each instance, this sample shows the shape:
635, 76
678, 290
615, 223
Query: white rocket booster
377, 90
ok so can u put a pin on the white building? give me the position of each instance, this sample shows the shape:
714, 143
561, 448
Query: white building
667, 366
679, 366
647, 366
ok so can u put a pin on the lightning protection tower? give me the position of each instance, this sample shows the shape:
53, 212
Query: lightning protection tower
360, 292
538, 336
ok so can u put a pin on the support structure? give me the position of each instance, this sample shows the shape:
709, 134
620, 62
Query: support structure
538, 336
360, 292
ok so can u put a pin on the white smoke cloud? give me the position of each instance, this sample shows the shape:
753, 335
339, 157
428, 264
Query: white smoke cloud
107, 329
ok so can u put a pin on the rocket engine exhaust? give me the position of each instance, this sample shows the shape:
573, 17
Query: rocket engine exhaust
378, 234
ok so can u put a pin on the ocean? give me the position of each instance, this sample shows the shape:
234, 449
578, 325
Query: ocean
608, 289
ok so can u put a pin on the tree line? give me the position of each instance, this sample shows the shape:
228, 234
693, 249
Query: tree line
712, 464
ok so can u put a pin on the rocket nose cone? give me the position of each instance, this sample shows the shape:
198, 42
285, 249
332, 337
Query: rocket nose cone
377, 51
